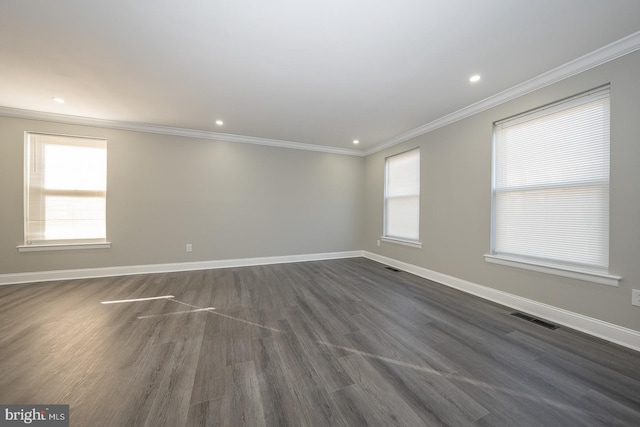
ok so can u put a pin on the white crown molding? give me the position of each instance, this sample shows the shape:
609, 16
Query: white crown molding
173, 131
620, 335
598, 57
288, 144
92, 273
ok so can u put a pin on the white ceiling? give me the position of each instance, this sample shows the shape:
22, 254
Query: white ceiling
322, 72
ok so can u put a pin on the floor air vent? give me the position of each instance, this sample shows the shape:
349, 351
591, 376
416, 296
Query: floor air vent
392, 269
534, 320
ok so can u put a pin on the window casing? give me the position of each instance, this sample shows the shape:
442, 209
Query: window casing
402, 197
65, 191
550, 185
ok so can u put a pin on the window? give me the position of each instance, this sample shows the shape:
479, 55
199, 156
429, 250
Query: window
551, 185
402, 197
66, 183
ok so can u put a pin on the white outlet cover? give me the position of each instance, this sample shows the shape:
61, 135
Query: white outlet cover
635, 297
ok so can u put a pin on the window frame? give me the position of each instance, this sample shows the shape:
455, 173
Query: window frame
416, 243
33, 245
590, 273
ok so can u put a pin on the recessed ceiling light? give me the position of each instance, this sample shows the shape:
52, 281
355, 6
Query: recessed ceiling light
219, 122
474, 78
355, 141
58, 100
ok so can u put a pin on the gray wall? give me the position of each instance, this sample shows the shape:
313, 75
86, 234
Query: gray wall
229, 200
239, 201
456, 202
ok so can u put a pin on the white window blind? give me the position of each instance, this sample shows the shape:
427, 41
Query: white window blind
551, 184
65, 190
402, 196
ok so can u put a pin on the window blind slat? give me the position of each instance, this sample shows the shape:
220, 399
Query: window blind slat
402, 196
66, 189
551, 184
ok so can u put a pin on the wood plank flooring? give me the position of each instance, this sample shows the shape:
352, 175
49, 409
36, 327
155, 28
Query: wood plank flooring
330, 343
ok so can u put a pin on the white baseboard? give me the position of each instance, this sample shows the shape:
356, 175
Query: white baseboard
608, 331
88, 273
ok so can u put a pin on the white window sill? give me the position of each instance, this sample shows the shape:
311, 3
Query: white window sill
412, 243
63, 247
600, 277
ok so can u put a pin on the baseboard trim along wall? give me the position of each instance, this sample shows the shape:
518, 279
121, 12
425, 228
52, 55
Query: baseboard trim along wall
608, 331
598, 328
90, 273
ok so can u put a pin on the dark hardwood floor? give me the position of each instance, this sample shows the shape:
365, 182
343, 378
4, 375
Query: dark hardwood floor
331, 343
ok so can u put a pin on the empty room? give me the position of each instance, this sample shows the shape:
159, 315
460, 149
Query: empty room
320, 213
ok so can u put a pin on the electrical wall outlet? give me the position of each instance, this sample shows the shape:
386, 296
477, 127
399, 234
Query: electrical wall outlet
189, 247
378, 242
635, 297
